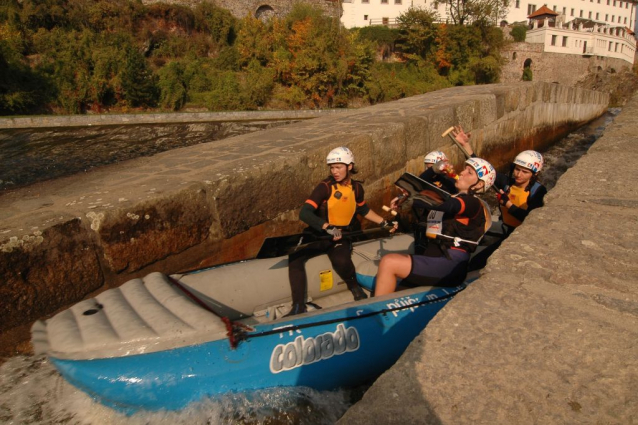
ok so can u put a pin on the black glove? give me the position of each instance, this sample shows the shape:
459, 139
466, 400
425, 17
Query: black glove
385, 224
335, 232
502, 198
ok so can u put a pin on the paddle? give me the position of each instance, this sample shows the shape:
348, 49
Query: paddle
279, 246
448, 132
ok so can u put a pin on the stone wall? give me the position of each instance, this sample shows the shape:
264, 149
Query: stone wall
553, 67
547, 334
211, 203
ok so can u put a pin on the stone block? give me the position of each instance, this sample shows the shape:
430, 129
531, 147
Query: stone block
135, 237
39, 273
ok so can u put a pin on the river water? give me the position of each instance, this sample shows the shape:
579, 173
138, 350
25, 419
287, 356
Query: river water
32, 392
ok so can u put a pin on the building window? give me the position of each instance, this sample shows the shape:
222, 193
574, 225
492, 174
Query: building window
564, 11
610, 44
625, 19
572, 13
554, 39
607, 2
564, 41
614, 3
384, 1
365, 1
616, 48
612, 18
554, 8
581, 13
589, 15
518, 4
606, 17
398, 1
531, 8
365, 17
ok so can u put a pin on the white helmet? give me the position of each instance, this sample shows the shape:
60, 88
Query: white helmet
434, 157
531, 160
340, 155
485, 172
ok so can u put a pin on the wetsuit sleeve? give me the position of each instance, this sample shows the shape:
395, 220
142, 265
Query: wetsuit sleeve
533, 202
467, 206
307, 213
501, 181
362, 208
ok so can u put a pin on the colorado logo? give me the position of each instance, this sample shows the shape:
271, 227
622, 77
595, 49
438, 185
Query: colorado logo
301, 352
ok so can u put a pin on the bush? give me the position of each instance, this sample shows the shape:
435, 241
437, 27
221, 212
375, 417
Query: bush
519, 33
527, 74
172, 87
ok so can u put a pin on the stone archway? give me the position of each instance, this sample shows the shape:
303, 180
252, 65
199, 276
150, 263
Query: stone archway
265, 13
528, 63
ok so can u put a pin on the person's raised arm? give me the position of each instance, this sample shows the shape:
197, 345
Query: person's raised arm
463, 138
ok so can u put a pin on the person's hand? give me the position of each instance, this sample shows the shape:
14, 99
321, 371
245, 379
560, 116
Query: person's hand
441, 167
502, 198
397, 201
463, 138
392, 225
335, 232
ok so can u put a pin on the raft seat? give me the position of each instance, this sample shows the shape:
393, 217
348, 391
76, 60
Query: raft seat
128, 319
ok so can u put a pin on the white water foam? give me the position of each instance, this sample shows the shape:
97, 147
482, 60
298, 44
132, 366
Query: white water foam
32, 392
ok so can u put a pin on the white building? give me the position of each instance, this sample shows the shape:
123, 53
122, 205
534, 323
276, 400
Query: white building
582, 37
360, 13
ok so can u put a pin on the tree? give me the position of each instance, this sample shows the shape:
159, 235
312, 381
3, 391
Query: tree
519, 32
463, 12
417, 31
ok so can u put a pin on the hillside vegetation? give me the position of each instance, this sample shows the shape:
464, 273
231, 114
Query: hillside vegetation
76, 56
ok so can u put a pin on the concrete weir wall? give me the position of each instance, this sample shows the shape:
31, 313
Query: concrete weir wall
547, 334
65, 239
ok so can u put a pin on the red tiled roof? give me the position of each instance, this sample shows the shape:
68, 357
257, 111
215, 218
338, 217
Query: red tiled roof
544, 10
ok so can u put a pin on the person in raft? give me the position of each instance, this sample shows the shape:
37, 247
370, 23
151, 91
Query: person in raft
435, 175
456, 227
439, 172
520, 192
331, 209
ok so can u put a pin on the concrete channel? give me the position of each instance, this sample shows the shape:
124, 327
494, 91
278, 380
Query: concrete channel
69, 238
547, 334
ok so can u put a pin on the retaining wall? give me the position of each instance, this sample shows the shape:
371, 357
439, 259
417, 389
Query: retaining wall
547, 334
211, 203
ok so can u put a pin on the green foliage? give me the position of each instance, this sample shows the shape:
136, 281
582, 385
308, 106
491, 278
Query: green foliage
21, 89
527, 74
137, 81
396, 81
172, 86
217, 22
78, 55
519, 32
417, 32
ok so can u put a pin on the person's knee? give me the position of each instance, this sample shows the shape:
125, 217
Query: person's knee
389, 263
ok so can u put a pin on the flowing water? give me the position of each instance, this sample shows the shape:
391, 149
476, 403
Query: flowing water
32, 392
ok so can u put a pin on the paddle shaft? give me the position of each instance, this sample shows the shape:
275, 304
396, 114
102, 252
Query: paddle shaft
448, 133
343, 235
